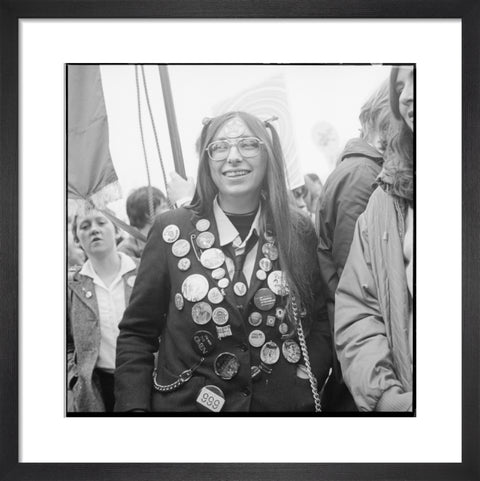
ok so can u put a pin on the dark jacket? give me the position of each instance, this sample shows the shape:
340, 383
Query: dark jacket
152, 313
344, 197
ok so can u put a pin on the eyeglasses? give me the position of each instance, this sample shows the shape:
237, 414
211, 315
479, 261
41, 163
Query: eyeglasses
247, 146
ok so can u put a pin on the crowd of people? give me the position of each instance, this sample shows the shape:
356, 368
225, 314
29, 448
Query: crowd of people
248, 296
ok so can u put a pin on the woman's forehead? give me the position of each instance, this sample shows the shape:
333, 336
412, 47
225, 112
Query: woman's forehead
233, 128
93, 214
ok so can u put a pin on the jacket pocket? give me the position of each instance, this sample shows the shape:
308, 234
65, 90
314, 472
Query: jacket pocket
180, 399
303, 395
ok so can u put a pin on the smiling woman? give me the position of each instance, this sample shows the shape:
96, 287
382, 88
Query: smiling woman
232, 287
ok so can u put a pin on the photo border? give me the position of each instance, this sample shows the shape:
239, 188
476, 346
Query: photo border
10, 14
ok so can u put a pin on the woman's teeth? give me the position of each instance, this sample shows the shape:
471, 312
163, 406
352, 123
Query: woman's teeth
236, 173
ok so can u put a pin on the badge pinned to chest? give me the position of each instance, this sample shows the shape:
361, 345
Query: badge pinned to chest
211, 398
195, 288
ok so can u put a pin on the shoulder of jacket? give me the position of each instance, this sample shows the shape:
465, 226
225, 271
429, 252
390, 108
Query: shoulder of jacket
72, 273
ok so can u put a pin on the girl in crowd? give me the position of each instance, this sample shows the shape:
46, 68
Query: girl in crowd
373, 313
227, 284
97, 294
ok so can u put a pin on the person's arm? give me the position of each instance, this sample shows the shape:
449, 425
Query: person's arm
360, 335
353, 190
141, 326
319, 341
72, 374
179, 190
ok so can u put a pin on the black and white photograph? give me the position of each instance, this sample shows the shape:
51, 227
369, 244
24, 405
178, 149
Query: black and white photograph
240, 239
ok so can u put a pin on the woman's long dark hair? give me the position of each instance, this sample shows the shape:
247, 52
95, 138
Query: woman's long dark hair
289, 225
399, 154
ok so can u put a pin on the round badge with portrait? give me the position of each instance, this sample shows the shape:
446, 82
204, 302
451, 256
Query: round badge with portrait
270, 353
291, 351
201, 313
195, 287
226, 366
277, 283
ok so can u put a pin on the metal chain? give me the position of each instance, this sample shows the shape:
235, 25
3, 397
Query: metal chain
182, 379
170, 204
306, 358
139, 104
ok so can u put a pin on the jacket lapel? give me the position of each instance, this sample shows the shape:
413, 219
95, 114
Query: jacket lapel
84, 289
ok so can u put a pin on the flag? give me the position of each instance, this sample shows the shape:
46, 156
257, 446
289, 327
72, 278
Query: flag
265, 100
91, 174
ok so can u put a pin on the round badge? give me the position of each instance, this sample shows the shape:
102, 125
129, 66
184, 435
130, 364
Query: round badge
179, 302
280, 313
291, 351
302, 372
220, 316
265, 264
240, 289
88, 294
264, 299
223, 283
181, 248
277, 283
131, 280
215, 296
212, 258
218, 273
203, 343
205, 240
270, 353
255, 319
270, 251
202, 225
256, 338
283, 328
268, 235
171, 233
261, 275
184, 264
201, 313
195, 287
226, 365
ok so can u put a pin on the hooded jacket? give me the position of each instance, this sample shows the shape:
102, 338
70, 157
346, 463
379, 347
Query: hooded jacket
344, 198
372, 310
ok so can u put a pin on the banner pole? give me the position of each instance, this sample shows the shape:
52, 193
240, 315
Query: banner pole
172, 121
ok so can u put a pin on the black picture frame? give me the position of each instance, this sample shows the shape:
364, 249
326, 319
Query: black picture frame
10, 13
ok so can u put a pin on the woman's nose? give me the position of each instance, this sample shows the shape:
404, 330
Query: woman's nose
407, 93
234, 154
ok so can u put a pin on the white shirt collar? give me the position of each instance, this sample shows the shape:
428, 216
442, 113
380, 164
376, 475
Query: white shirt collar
126, 265
227, 232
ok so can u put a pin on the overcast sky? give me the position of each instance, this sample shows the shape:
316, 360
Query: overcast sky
324, 103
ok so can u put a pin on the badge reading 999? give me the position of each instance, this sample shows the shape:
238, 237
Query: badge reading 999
211, 398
